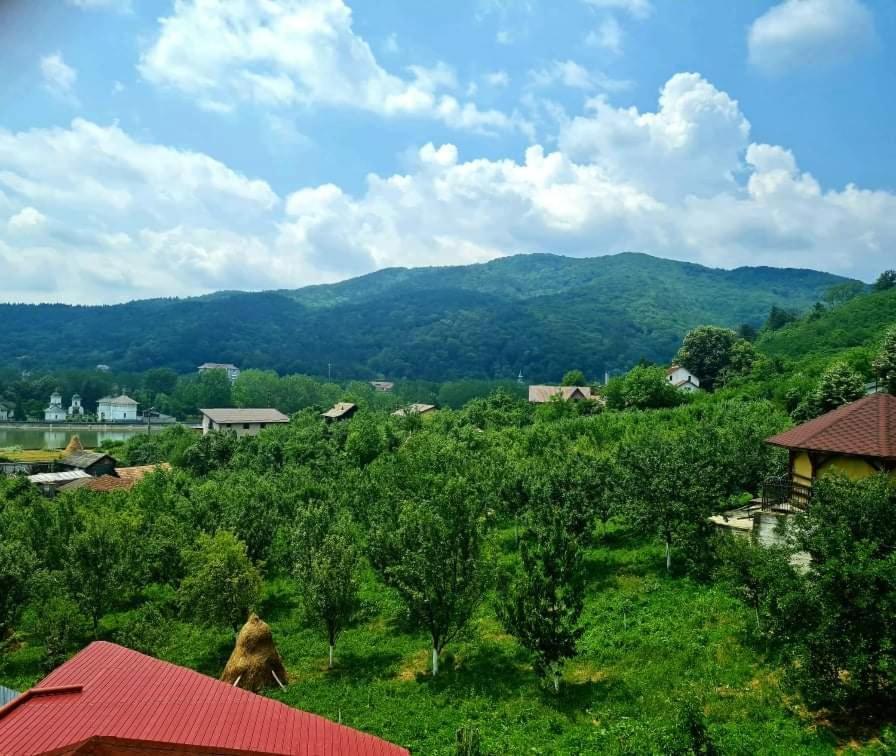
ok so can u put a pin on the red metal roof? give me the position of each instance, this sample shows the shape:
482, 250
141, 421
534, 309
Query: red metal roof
864, 428
111, 694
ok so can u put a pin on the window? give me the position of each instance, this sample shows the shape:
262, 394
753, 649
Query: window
245, 426
261, 425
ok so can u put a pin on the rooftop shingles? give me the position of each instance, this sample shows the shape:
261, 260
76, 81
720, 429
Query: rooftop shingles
229, 416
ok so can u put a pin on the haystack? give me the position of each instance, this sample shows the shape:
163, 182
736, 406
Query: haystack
255, 663
74, 445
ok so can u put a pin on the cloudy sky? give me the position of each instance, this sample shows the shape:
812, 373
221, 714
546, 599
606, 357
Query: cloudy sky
159, 148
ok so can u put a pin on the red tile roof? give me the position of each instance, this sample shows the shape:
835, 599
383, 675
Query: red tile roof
110, 694
865, 428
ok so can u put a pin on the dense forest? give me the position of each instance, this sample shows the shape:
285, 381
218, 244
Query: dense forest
503, 577
532, 313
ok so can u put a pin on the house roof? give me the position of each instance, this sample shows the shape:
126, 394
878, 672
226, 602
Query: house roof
108, 694
541, 394
864, 428
218, 366
119, 400
340, 409
125, 479
383, 384
59, 477
414, 409
246, 415
84, 459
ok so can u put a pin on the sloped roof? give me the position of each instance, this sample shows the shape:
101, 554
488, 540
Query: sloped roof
414, 409
218, 366
340, 409
59, 477
228, 416
110, 694
119, 400
125, 479
84, 459
864, 428
541, 394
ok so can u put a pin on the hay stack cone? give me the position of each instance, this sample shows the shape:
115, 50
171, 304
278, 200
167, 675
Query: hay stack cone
255, 663
74, 445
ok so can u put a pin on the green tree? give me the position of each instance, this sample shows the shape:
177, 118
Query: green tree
648, 388
160, 381
327, 571
885, 362
221, 585
573, 378
541, 603
213, 389
838, 385
840, 293
99, 562
886, 280
778, 317
17, 563
706, 352
430, 552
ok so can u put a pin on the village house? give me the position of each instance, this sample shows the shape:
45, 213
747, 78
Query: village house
116, 409
385, 386
340, 411
682, 378
543, 394
92, 463
121, 479
415, 409
55, 413
233, 372
108, 699
244, 422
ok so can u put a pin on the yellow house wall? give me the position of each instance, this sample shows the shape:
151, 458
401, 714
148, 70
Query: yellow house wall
852, 467
802, 468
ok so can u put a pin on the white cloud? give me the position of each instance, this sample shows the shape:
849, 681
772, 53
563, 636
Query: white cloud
121, 218
497, 79
607, 36
296, 53
26, 219
59, 78
809, 33
570, 74
637, 8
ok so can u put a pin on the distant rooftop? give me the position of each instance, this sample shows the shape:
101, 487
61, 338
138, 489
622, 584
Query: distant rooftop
542, 394
229, 416
340, 409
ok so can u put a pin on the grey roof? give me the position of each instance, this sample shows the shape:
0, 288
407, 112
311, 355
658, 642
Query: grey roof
228, 416
218, 366
84, 459
7, 694
121, 399
340, 409
414, 409
58, 477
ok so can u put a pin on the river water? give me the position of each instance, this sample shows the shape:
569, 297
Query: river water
58, 438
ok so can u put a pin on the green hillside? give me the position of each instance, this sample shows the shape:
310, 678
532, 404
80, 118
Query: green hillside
857, 323
538, 314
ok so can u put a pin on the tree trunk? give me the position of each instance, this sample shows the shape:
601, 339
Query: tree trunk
556, 681
331, 657
435, 661
668, 555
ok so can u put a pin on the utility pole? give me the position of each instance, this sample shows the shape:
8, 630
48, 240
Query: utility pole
329, 371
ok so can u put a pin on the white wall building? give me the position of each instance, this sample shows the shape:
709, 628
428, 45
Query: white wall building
116, 408
55, 413
233, 372
6, 412
75, 409
245, 422
682, 378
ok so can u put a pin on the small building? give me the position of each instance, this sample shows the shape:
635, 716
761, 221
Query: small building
75, 409
7, 695
340, 411
92, 463
543, 394
51, 482
123, 479
6, 412
233, 372
245, 422
55, 412
108, 699
385, 386
682, 378
857, 440
414, 409
116, 409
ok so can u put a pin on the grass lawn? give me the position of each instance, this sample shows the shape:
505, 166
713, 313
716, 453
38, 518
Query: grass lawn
30, 455
651, 642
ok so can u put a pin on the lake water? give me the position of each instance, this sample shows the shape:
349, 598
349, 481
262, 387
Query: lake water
58, 438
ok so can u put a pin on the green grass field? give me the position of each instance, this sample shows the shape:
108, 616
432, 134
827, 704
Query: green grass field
651, 643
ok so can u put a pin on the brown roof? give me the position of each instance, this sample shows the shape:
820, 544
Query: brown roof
339, 409
864, 428
125, 479
237, 416
541, 394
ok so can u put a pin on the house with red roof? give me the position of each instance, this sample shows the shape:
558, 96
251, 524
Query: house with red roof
856, 440
111, 701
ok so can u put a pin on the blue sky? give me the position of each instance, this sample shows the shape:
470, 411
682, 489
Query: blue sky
174, 148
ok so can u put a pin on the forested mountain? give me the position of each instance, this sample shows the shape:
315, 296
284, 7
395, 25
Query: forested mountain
539, 314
